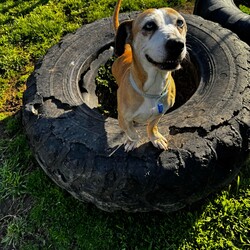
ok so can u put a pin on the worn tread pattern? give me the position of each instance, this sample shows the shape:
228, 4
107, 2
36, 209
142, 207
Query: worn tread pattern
79, 148
226, 13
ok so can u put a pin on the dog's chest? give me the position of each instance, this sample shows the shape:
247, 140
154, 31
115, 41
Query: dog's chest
150, 109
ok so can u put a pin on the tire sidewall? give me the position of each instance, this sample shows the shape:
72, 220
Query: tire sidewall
78, 147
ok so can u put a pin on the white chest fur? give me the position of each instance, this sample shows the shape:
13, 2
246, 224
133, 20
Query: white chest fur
150, 109
155, 93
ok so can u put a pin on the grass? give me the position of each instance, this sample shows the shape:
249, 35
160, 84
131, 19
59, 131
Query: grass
245, 9
34, 212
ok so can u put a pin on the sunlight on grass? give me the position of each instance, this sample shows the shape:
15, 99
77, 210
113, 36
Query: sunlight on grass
245, 9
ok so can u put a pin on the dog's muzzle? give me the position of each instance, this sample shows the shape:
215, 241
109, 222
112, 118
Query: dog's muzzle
166, 65
174, 49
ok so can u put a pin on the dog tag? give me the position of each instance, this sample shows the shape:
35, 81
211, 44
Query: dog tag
160, 108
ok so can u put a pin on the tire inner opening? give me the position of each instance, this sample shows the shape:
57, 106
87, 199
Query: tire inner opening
186, 79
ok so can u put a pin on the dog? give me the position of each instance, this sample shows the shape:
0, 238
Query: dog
148, 48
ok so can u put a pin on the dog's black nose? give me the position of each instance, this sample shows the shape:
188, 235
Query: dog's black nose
174, 47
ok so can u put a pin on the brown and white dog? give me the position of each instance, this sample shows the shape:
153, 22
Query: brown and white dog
149, 48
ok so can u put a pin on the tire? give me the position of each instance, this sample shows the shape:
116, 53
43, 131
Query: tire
79, 148
227, 14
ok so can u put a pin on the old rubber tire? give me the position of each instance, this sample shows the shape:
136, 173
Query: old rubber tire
226, 13
78, 147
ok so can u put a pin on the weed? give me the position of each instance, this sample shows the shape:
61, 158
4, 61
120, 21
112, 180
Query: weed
106, 88
14, 232
245, 9
15, 159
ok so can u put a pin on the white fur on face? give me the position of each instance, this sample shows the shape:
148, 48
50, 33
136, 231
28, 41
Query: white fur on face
153, 43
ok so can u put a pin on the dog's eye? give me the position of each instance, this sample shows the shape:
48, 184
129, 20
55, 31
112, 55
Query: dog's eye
150, 26
180, 23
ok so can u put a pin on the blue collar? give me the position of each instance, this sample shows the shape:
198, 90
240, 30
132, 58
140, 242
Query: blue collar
158, 98
149, 96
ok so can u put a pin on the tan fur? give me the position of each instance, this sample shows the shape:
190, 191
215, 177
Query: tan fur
116, 15
132, 107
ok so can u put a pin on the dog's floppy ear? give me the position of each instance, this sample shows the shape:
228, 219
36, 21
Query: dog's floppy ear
123, 36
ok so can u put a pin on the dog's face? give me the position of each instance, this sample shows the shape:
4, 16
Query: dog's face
157, 37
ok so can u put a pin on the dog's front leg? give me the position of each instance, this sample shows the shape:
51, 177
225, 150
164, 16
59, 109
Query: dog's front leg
132, 136
155, 136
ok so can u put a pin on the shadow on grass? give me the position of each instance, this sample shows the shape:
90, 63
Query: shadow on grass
37, 214
57, 219
67, 223
40, 215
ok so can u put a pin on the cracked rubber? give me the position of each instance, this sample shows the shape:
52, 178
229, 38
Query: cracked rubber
81, 150
226, 13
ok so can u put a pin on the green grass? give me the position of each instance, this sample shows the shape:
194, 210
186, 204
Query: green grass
245, 9
37, 214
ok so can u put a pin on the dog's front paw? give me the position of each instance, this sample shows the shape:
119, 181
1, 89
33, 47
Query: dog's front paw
130, 145
160, 142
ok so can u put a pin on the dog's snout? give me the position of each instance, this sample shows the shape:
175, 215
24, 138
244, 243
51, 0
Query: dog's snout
174, 47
